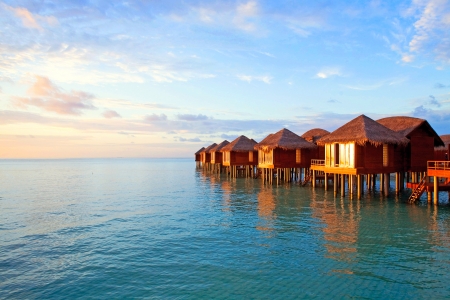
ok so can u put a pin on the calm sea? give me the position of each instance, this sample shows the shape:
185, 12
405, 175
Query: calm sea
160, 229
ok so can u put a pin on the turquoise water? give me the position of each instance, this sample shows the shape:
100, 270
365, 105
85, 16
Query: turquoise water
160, 229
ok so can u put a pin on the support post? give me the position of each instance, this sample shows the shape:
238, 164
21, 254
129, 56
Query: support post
386, 184
313, 178
436, 190
358, 191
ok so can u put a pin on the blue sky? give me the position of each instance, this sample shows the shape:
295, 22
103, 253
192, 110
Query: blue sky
164, 78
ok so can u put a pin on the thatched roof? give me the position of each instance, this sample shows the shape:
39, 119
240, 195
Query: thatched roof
241, 144
406, 125
219, 147
284, 139
314, 134
446, 139
362, 130
206, 150
199, 151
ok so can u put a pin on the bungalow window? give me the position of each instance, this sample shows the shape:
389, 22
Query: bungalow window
347, 155
265, 158
213, 156
298, 156
250, 156
226, 157
385, 155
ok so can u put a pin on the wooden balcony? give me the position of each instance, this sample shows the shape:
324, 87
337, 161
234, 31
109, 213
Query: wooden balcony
439, 168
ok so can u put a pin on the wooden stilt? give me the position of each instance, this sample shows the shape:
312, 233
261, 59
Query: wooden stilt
313, 183
386, 184
335, 183
436, 190
397, 182
358, 190
342, 185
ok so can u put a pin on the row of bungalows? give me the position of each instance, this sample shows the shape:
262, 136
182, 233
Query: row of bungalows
216, 156
361, 150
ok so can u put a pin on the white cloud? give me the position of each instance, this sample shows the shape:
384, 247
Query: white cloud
431, 30
244, 12
249, 78
31, 20
328, 72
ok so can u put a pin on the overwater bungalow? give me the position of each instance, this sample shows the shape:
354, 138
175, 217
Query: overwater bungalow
361, 147
206, 156
313, 136
216, 156
422, 141
239, 156
198, 157
442, 153
282, 154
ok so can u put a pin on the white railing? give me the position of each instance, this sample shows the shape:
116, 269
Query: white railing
317, 162
439, 165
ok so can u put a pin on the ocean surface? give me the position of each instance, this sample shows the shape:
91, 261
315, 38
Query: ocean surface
160, 229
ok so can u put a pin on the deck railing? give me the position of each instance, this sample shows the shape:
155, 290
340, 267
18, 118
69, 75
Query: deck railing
439, 165
317, 162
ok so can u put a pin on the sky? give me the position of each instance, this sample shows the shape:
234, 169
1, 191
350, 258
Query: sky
82, 79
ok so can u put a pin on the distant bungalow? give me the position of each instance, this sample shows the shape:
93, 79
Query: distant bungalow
216, 156
240, 155
198, 157
206, 156
283, 152
442, 152
361, 146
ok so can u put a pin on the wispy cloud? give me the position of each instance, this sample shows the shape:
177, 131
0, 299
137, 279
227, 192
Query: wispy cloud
189, 117
329, 72
431, 30
155, 118
109, 114
250, 78
244, 13
441, 86
30, 20
193, 140
45, 95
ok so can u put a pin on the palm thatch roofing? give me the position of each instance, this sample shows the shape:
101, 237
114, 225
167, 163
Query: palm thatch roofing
219, 147
241, 144
446, 139
314, 134
362, 130
206, 150
406, 125
199, 151
284, 139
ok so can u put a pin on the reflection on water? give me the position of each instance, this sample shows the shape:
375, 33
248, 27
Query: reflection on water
340, 232
266, 208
